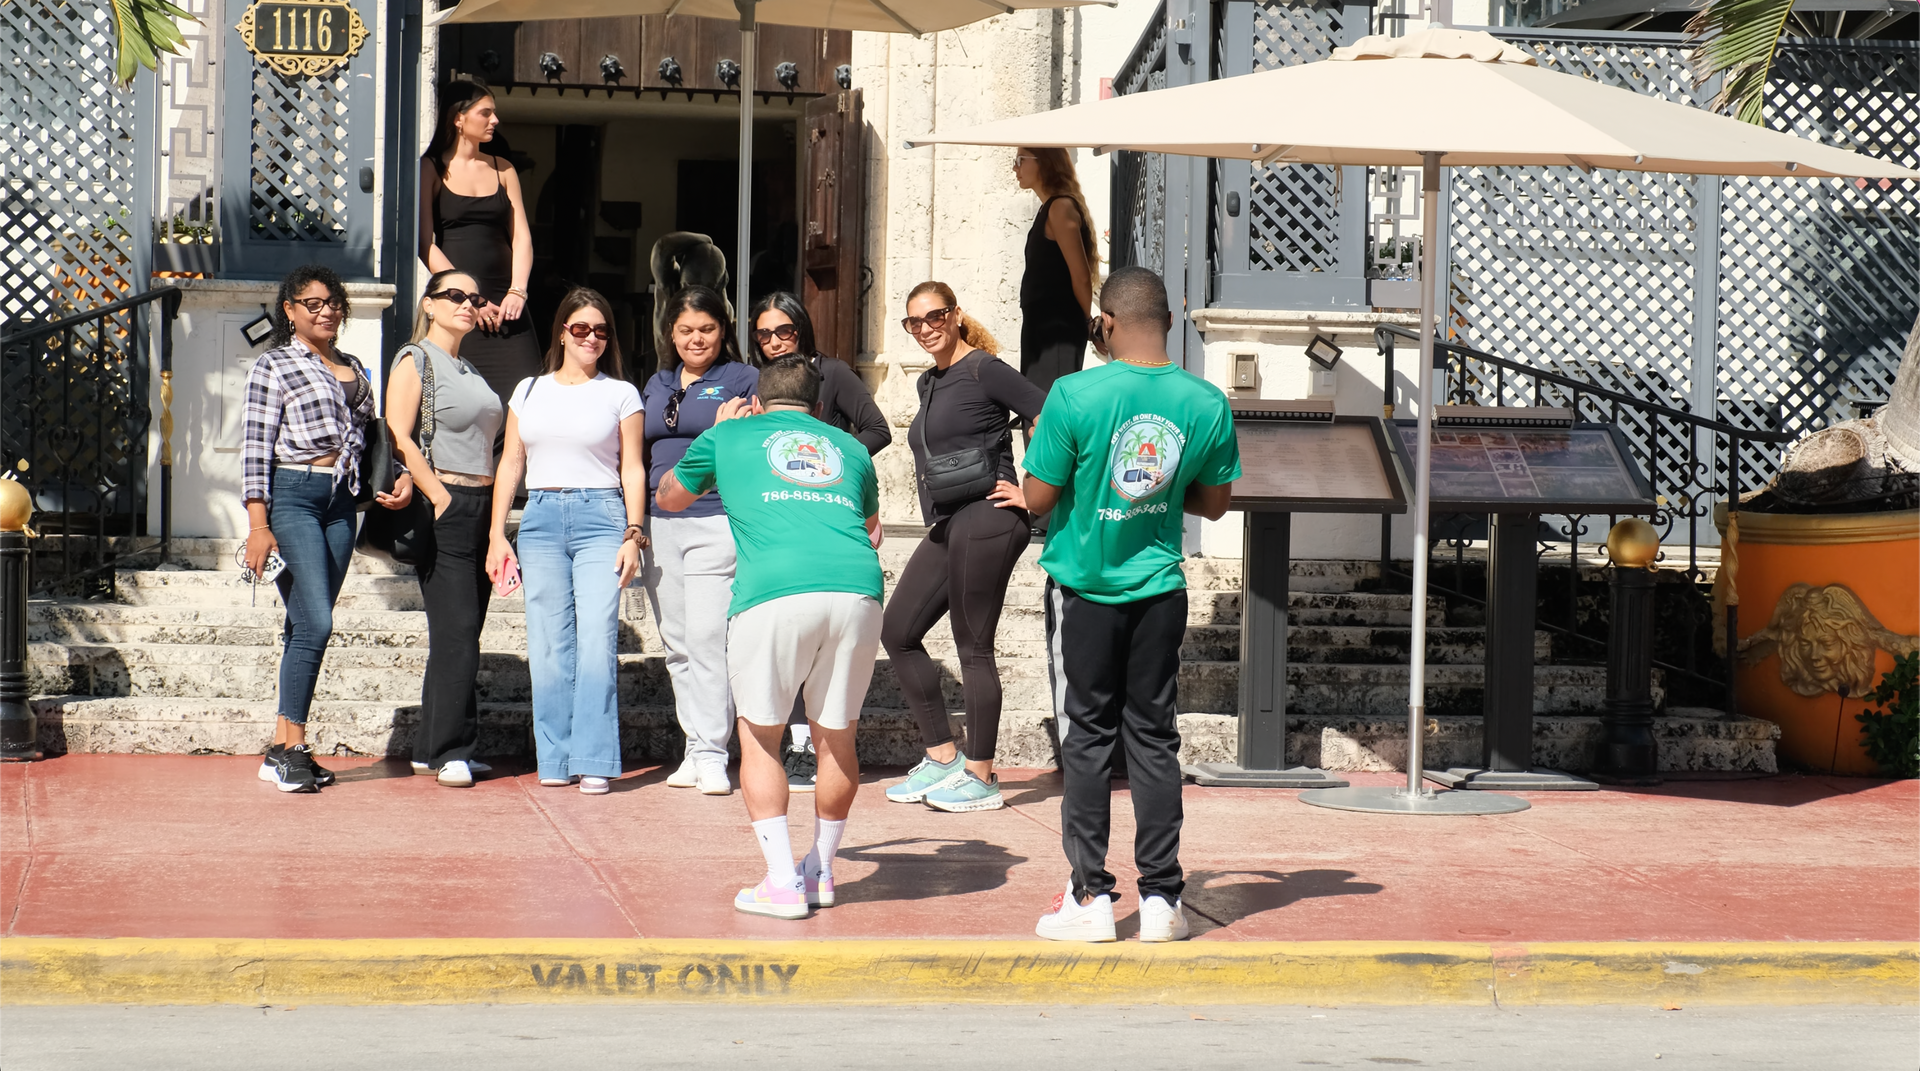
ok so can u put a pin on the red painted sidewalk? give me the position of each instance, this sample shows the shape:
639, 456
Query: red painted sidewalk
184, 846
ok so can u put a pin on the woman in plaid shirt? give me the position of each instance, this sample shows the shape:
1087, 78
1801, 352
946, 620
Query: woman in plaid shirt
307, 410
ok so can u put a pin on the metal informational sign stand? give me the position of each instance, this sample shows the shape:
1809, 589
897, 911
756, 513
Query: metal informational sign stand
1514, 465
1295, 457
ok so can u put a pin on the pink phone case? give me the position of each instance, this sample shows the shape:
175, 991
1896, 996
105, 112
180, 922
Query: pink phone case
509, 581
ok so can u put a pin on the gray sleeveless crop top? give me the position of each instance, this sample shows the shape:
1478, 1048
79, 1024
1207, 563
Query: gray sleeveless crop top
467, 415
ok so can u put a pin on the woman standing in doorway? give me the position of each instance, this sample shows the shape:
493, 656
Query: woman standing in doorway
307, 410
962, 568
453, 466
473, 219
1056, 293
781, 328
689, 574
575, 434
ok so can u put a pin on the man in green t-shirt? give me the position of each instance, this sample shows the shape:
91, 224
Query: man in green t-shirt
804, 503
1119, 454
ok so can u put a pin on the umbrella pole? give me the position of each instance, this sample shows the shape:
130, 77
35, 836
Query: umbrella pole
743, 244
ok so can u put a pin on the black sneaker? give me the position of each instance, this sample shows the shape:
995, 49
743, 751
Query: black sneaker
321, 775
801, 765
290, 769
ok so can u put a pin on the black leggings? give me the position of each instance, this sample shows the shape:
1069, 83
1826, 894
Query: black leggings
961, 569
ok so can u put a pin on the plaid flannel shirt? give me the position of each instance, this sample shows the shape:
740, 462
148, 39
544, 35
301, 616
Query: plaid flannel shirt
296, 410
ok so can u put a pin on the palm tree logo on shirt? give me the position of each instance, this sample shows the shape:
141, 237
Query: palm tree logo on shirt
1146, 454
805, 458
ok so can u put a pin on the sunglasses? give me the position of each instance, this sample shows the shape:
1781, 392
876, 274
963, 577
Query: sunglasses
582, 330
459, 297
672, 415
936, 319
1021, 158
315, 304
785, 333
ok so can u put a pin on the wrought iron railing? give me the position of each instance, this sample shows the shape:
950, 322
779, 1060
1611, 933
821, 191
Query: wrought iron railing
1694, 462
74, 432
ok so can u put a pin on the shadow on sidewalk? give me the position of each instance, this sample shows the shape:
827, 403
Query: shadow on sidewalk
1223, 904
906, 871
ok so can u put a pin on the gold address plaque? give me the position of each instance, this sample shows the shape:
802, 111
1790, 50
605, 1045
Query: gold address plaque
302, 37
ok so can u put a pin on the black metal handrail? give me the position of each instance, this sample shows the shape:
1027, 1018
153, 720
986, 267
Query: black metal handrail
1687, 480
75, 432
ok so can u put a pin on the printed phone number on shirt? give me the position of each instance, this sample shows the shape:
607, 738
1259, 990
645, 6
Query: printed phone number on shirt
1129, 514
808, 496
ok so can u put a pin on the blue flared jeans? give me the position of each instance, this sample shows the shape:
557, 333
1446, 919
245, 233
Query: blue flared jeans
567, 546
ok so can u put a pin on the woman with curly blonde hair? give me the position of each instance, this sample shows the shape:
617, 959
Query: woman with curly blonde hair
1056, 293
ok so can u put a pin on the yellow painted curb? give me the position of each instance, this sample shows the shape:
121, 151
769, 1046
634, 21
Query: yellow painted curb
45, 970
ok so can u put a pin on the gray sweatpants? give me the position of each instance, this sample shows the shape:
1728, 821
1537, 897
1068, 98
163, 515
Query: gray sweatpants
689, 577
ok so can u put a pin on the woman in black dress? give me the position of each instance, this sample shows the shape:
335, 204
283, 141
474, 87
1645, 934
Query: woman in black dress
474, 220
1056, 293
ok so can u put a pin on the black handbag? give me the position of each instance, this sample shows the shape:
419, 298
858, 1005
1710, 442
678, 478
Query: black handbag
959, 476
405, 535
376, 453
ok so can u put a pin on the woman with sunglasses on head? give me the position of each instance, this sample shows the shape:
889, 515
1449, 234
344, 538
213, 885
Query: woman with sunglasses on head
962, 442
781, 328
689, 571
452, 462
574, 433
307, 408
1056, 292
473, 219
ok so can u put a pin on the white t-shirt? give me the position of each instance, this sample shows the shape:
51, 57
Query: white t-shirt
572, 433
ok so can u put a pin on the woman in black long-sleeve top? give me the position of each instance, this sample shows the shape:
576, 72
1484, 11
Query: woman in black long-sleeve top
967, 402
781, 328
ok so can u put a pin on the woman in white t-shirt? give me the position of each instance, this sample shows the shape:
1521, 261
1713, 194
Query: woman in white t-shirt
575, 434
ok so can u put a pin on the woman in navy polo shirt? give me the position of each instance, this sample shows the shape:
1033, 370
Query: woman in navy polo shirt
689, 570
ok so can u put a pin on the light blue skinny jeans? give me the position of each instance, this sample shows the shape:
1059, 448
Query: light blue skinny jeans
568, 541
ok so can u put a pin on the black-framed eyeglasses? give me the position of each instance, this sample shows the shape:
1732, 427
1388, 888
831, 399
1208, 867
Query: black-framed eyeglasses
315, 304
935, 319
459, 297
672, 415
582, 330
785, 333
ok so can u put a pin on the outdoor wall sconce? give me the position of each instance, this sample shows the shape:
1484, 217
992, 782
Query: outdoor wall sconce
489, 61
669, 71
610, 68
551, 66
1323, 352
843, 76
788, 75
728, 71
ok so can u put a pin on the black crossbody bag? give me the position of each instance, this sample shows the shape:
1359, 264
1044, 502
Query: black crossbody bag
405, 535
959, 476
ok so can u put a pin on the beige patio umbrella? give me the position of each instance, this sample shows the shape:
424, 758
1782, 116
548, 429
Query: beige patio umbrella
916, 17
1435, 98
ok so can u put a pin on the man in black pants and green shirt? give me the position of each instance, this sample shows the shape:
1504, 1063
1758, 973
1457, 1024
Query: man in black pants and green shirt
1120, 453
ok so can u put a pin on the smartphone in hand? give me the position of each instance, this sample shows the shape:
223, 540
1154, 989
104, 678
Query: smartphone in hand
508, 581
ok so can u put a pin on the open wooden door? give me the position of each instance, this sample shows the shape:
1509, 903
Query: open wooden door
833, 228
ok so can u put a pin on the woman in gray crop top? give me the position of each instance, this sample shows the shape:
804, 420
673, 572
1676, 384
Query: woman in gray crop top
451, 457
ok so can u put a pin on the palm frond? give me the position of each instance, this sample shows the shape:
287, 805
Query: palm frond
1736, 41
142, 30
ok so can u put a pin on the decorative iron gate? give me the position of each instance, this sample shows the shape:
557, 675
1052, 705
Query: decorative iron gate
1139, 179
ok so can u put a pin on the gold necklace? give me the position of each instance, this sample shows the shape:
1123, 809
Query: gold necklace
1145, 364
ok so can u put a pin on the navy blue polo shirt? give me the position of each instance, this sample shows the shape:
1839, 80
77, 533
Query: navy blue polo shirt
723, 382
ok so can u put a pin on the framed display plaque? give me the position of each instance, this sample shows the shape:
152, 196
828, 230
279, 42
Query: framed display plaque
1585, 468
302, 37
1333, 464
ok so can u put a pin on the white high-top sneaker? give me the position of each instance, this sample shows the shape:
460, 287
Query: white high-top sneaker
1161, 921
1071, 921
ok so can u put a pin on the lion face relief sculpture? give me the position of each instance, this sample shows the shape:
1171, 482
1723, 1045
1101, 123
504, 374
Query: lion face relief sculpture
1826, 638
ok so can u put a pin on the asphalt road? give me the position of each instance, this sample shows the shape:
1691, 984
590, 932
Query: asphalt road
956, 1036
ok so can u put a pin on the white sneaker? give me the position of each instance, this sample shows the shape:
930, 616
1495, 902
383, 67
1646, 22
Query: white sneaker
557, 782
474, 766
595, 786
687, 776
1070, 921
420, 767
1160, 921
456, 774
712, 780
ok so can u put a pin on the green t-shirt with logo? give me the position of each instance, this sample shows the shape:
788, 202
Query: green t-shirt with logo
798, 494
1123, 442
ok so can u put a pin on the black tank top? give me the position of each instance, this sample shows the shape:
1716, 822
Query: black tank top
1046, 290
476, 234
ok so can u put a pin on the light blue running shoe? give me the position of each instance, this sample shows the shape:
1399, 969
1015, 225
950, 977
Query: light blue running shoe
926, 777
966, 793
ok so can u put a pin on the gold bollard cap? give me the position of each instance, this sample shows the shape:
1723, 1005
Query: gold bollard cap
1633, 544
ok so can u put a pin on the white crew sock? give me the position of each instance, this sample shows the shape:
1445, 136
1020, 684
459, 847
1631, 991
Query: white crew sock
826, 841
802, 735
778, 849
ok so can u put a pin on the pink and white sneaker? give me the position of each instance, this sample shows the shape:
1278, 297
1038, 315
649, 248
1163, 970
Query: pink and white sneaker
819, 886
773, 901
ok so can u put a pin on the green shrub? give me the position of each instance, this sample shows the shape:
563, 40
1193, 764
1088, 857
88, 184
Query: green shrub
1892, 734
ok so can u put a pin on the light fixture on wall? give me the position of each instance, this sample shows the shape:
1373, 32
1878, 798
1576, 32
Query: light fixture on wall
1323, 352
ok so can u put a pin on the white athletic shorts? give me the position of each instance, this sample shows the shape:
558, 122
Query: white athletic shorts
818, 644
